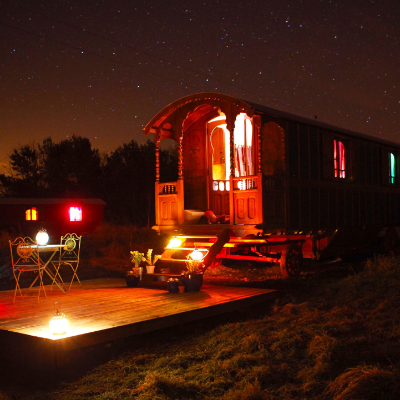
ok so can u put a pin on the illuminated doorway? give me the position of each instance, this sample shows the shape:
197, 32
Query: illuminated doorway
219, 160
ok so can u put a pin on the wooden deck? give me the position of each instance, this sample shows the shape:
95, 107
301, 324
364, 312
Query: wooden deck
106, 310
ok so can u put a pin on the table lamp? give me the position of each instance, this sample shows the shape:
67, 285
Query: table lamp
42, 237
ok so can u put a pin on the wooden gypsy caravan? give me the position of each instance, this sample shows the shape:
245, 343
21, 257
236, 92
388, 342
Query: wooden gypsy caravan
280, 187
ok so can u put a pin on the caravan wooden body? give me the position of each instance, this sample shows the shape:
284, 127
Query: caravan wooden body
319, 190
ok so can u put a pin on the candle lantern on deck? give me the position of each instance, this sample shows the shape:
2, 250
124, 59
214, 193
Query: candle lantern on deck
196, 255
58, 323
174, 242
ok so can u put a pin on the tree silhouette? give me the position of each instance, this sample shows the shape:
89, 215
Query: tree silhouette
26, 173
125, 179
71, 168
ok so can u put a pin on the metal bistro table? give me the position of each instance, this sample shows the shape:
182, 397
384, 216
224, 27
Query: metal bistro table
54, 249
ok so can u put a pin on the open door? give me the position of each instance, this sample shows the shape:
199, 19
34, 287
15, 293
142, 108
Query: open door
194, 167
218, 161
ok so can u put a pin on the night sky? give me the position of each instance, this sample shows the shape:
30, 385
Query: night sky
103, 69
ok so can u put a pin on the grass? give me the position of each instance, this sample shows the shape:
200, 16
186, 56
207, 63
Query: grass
338, 340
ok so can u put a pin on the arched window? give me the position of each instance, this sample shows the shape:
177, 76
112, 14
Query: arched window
244, 149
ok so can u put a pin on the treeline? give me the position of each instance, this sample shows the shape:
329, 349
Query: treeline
124, 179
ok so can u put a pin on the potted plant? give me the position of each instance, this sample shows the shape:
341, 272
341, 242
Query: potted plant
151, 261
181, 287
173, 285
134, 276
193, 276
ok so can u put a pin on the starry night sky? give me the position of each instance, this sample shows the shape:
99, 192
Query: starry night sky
102, 69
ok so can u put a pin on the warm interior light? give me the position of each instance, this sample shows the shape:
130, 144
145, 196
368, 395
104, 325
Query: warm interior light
58, 323
174, 242
75, 213
31, 214
42, 237
196, 255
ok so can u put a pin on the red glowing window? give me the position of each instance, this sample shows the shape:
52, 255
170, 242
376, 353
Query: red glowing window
75, 213
31, 214
339, 159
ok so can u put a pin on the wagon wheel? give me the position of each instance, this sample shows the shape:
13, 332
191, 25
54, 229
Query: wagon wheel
291, 261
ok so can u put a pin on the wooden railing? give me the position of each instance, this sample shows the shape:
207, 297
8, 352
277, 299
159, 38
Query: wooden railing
245, 182
169, 203
220, 185
247, 199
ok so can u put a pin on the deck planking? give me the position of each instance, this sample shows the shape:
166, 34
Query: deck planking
103, 310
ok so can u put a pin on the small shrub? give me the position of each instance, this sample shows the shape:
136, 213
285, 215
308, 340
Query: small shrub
365, 382
170, 387
247, 391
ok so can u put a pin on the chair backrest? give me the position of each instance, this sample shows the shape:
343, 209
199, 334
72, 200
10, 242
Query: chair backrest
24, 254
73, 243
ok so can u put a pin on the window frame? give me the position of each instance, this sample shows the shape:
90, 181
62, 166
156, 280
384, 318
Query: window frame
340, 154
31, 211
248, 153
393, 180
73, 218
327, 159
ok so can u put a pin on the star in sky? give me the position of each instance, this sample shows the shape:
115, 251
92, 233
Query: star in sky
103, 69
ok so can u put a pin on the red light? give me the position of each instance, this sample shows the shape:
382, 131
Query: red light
75, 213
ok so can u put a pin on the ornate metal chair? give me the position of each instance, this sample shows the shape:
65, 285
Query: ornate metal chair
70, 255
25, 258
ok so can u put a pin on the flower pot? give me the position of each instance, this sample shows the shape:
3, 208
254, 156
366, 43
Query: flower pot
173, 287
138, 271
132, 280
181, 289
193, 282
150, 269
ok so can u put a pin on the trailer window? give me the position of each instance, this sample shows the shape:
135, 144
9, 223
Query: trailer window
339, 159
243, 139
75, 213
31, 214
392, 168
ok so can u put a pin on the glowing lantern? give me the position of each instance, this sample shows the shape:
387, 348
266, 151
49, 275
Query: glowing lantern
174, 242
196, 255
58, 324
42, 237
